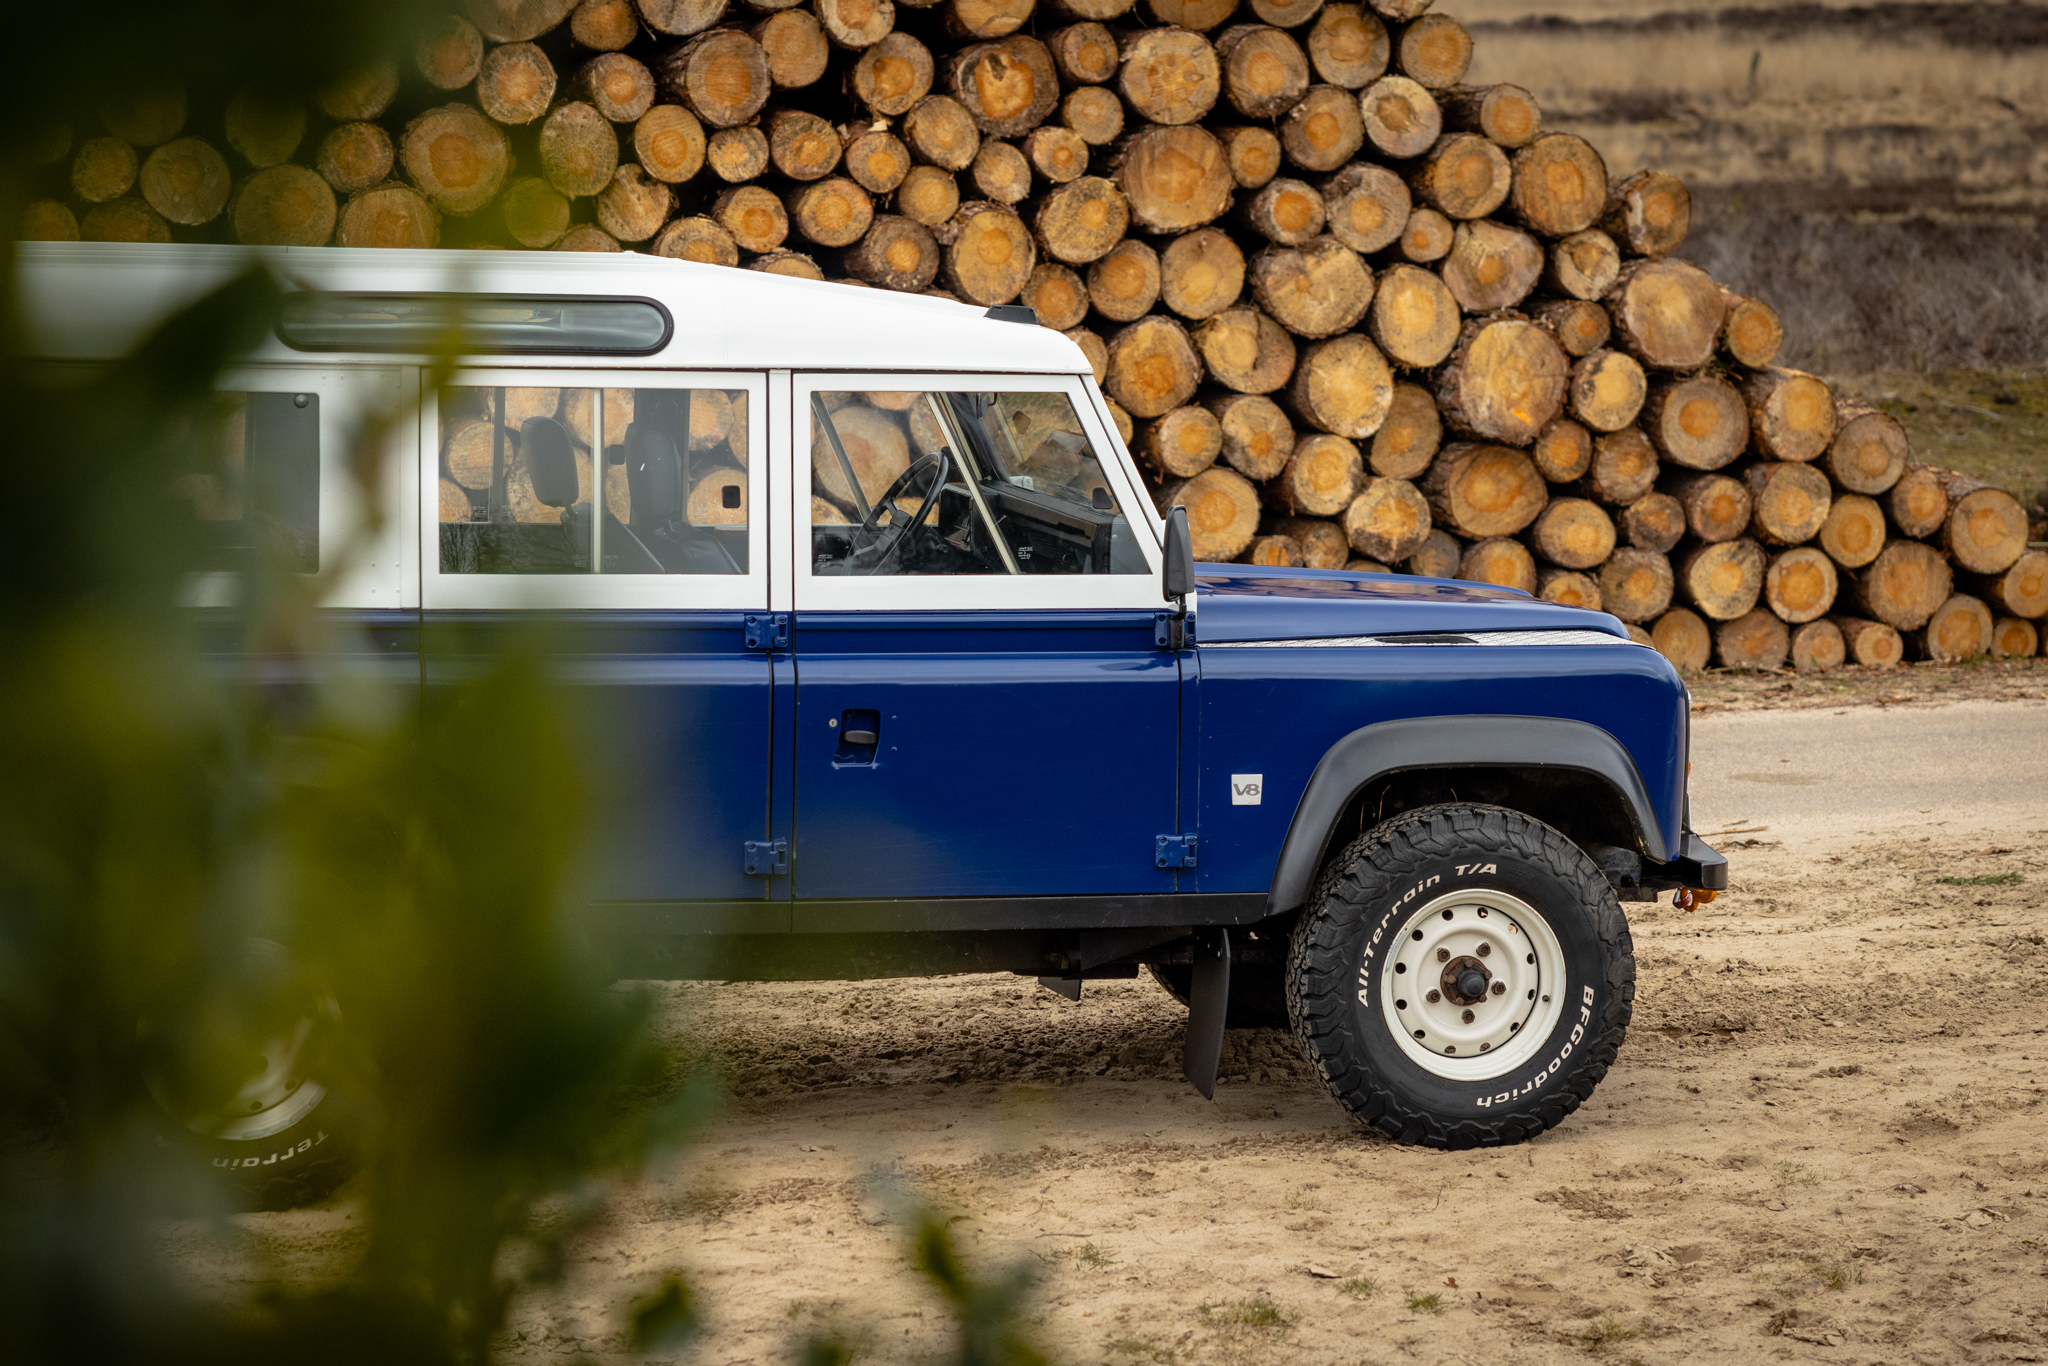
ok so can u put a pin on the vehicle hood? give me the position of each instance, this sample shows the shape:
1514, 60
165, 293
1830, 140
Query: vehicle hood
1242, 602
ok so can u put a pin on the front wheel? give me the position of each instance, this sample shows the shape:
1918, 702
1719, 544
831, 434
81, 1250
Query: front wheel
1462, 977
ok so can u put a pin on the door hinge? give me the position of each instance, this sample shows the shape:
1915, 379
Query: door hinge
768, 632
1172, 630
1176, 851
767, 858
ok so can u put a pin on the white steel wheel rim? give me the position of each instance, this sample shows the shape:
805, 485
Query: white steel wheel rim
1511, 946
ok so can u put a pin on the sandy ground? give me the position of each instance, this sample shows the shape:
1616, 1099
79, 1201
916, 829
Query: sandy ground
1822, 1141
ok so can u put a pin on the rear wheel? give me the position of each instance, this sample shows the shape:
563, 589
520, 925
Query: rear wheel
1462, 977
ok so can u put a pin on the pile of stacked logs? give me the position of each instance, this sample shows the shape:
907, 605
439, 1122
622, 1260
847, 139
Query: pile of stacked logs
1350, 311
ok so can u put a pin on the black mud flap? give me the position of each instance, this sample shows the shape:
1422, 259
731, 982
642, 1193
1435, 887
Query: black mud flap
1208, 1004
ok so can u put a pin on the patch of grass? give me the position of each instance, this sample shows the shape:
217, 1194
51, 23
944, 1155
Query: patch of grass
1796, 1174
1259, 1315
1094, 1256
1143, 1351
1300, 1198
1604, 1332
1358, 1288
1431, 1303
1985, 880
1838, 1275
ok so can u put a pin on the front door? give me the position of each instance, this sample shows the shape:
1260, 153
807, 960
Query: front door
641, 595
982, 709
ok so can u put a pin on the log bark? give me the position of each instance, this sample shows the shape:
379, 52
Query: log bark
1223, 512
1504, 381
1903, 586
1624, 467
1427, 236
1986, 529
1464, 176
1506, 115
1655, 521
1408, 439
1607, 390
680, 18
1080, 222
1500, 561
1366, 207
1315, 291
1201, 273
1058, 154
1257, 438
737, 154
857, 25
1400, 117
1278, 551
1649, 212
516, 83
1560, 184
1681, 637
2021, 591
1752, 333
1717, 508
722, 75
187, 181
1095, 114
285, 206
1008, 87
758, 222
1182, 443
879, 162
986, 18
1322, 542
668, 142
1869, 451
449, 53
388, 215
1439, 557
1054, 292
604, 25
1001, 173
104, 169
696, 239
1700, 423
1086, 53
1169, 75
1480, 490
2012, 638
1253, 155
1349, 46
1568, 588
1286, 212
1491, 266
1563, 451
1388, 521
1818, 646
1124, 285
1173, 178
264, 130
1244, 350
1584, 265
1582, 328
1118, 418
893, 75
1635, 585
360, 95
1667, 313
1959, 629
797, 50
578, 150
1791, 414
1723, 580
1153, 368
1918, 503
1324, 130
1342, 386
1871, 644
1097, 351
1573, 533
1755, 640
1800, 584
1434, 51
1320, 478
1853, 533
634, 206
1265, 72
1789, 502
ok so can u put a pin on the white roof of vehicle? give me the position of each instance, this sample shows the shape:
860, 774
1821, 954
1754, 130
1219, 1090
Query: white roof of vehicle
84, 300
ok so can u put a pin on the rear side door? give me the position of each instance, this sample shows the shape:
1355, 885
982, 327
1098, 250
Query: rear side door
648, 597
983, 709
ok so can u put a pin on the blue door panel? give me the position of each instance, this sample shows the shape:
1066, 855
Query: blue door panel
1276, 711
1016, 754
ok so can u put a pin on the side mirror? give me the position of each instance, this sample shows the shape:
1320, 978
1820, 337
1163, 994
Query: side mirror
1178, 578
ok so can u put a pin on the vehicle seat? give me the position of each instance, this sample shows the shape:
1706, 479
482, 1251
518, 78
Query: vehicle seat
551, 464
654, 472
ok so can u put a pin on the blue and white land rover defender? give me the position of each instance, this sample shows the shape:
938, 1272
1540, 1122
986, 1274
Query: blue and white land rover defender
900, 673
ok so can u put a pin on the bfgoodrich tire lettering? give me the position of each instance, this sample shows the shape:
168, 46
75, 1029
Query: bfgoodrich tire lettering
1526, 887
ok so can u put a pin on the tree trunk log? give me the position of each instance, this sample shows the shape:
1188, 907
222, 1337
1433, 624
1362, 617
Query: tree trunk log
876, 447
1723, 580
1322, 542
448, 55
990, 257
1097, 116
1800, 585
604, 25
1153, 368
1408, 439
1170, 76
1568, 588
893, 75
1324, 130
1504, 381
1918, 503
1182, 444
1058, 154
900, 253
668, 142
857, 25
1500, 561
736, 155
104, 169
1480, 491
1265, 72
1667, 313
1755, 640
1342, 386
1439, 557
590, 237
1321, 478
1872, 644
1097, 351
1315, 291
1903, 586
879, 162
1463, 177
2013, 638
1201, 273
1607, 390
1348, 46
1124, 285
1427, 236
1286, 212
622, 89
1788, 502
1080, 222
1635, 585
1959, 629
2021, 591
1258, 440
1582, 328
1247, 351
1853, 534
1649, 212
1401, 118
679, 18
1563, 451
362, 94
1624, 467
286, 206
1869, 451
1366, 207
1752, 334
791, 263
1700, 423
1491, 267
146, 114
941, 131
696, 239
1173, 178
1054, 292
1008, 87
388, 215
1791, 414
1278, 551
1388, 521
188, 181
459, 159
987, 18
1681, 637
1223, 512
1573, 533
836, 212
1434, 51
1717, 508
1986, 529
578, 150
1584, 265
722, 75
1198, 15
634, 206
1086, 53
1560, 184
1655, 521
1818, 646
1253, 155
802, 146
266, 131
1506, 114
1001, 172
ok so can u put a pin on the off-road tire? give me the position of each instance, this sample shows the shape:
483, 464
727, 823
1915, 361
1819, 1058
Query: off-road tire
1357, 919
299, 1166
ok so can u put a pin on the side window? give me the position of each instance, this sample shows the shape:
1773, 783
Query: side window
516, 483
926, 483
264, 496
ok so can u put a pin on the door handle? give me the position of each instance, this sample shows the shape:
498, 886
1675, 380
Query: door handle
860, 733
859, 737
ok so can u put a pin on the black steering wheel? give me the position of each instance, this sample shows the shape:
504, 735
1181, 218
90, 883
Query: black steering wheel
878, 545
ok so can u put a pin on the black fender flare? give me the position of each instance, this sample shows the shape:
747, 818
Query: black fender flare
1450, 742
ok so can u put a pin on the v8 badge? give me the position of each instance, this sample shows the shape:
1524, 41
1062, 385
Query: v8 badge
1245, 788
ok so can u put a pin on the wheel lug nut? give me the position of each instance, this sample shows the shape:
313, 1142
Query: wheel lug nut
1443, 955
1466, 1017
1500, 988
1434, 997
1485, 949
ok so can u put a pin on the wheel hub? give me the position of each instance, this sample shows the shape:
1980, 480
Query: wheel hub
1469, 976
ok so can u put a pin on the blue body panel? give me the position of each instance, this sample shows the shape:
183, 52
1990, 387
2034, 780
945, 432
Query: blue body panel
1248, 602
1018, 753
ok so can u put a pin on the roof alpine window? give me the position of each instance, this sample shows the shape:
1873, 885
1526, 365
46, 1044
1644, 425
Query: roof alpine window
491, 324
